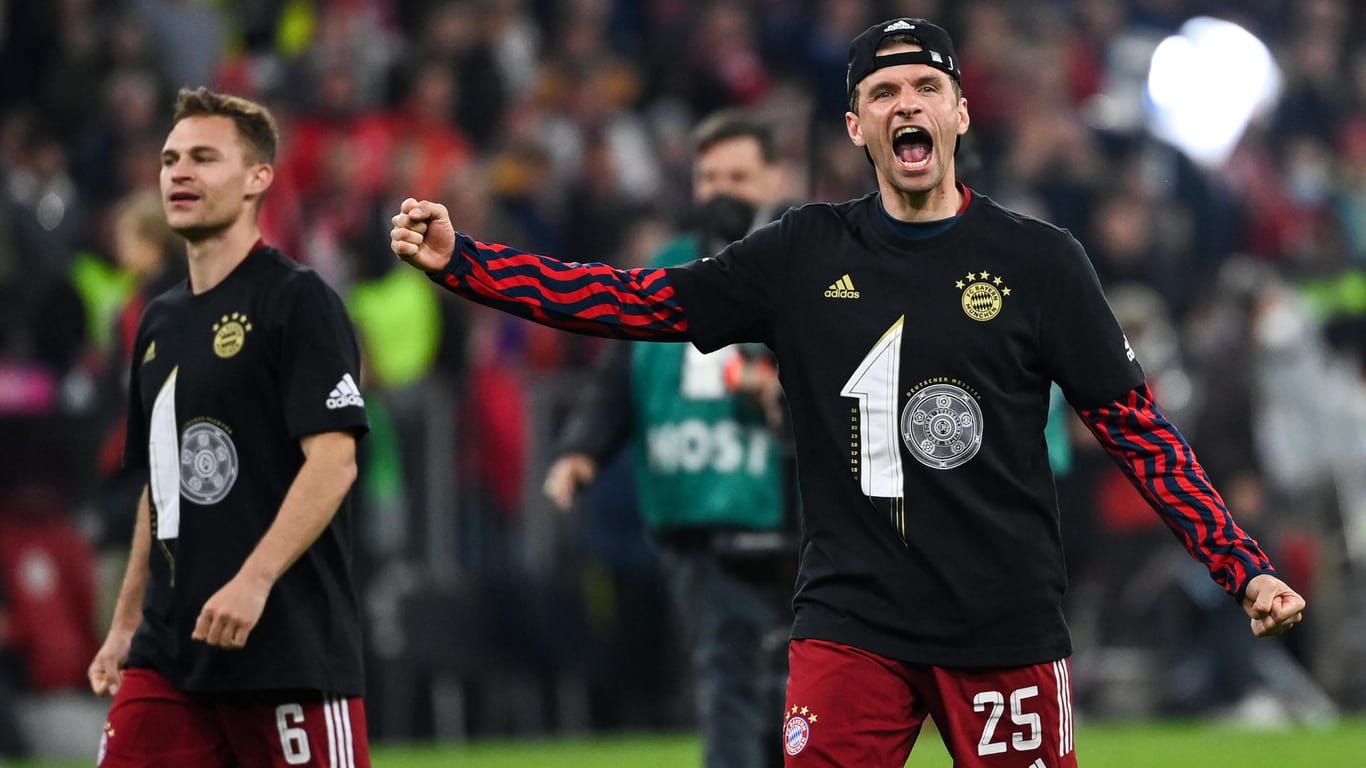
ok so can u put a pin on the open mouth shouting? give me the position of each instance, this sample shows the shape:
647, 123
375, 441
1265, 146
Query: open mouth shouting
913, 147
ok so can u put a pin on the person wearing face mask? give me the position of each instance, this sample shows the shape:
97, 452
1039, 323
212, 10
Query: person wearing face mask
709, 466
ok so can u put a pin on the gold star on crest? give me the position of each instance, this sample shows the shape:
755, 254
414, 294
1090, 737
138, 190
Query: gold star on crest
1005, 291
958, 285
997, 280
972, 276
985, 274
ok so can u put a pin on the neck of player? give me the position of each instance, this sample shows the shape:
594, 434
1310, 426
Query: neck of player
214, 255
941, 202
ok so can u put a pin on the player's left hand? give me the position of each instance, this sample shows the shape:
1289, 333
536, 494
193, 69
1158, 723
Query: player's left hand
229, 616
1272, 605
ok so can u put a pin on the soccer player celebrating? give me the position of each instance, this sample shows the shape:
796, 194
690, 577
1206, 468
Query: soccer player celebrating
917, 332
236, 637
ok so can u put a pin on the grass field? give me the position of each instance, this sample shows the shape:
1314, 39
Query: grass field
1131, 745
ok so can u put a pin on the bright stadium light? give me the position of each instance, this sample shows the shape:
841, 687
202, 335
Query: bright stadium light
1206, 84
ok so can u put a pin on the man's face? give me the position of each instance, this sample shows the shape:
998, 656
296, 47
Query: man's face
207, 183
909, 119
734, 167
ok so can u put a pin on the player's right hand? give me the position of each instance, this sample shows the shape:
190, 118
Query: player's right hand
423, 235
106, 671
566, 475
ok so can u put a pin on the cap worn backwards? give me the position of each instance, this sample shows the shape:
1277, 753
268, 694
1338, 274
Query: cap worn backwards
936, 50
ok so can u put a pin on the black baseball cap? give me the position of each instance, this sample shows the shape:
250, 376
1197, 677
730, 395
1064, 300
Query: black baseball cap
936, 50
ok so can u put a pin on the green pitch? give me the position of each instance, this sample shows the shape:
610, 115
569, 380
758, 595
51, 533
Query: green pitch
1099, 745
1134, 745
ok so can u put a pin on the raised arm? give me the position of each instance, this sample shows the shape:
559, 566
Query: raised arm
593, 298
1161, 465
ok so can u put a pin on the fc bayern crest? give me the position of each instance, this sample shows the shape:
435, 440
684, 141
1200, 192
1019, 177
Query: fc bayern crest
229, 334
942, 425
983, 295
796, 733
208, 463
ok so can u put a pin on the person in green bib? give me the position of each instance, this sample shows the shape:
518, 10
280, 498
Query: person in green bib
709, 460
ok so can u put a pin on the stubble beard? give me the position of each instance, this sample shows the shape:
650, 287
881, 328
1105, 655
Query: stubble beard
201, 230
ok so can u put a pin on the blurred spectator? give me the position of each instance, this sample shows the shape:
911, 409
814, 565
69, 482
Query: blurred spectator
725, 68
422, 122
47, 575
592, 104
42, 197
1350, 192
454, 37
192, 35
120, 152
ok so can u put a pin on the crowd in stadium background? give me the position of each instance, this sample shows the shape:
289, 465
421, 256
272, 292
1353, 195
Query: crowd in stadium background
562, 125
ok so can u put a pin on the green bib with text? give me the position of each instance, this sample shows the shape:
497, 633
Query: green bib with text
703, 456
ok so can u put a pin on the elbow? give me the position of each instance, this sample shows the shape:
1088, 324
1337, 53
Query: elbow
347, 473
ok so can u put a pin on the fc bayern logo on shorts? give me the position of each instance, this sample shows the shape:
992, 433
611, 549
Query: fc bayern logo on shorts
796, 733
208, 463
942, 425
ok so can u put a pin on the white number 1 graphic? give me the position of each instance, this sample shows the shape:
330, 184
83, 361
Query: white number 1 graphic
874, 384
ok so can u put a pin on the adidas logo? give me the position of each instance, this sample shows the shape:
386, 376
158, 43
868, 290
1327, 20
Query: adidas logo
344, 394
842, 288
897, 25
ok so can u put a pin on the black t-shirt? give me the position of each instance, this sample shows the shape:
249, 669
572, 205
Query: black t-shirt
223, 387
917, 373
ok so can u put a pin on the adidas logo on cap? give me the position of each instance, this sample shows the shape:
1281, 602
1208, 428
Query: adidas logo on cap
345, 393
898, 25
842, 288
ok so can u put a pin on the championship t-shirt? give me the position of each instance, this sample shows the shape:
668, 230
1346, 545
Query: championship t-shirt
224, 385
917, 373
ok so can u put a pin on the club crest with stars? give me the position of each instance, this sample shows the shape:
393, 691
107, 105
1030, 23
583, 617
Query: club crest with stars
983, 294
797, 725
230, 334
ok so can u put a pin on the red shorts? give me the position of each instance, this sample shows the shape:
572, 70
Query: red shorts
847, 706
153, 725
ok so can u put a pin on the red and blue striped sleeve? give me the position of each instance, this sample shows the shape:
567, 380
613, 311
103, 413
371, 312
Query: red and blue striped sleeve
590, 298
1162, 466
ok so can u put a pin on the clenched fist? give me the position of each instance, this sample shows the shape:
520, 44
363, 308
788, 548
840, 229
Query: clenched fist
423, 235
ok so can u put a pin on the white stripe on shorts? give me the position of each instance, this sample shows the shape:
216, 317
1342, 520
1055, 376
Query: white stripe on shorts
1062, 675
331, 734
339, 746
348, 744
